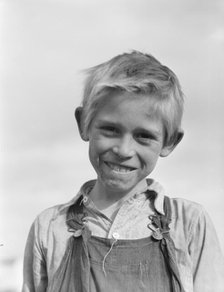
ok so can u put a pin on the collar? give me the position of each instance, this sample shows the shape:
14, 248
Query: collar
151, 186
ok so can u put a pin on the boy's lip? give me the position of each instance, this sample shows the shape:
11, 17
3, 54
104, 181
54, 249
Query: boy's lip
119, 167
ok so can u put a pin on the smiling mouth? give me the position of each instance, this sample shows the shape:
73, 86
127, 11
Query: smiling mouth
119, 168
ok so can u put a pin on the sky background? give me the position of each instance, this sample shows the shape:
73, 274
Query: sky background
45, 45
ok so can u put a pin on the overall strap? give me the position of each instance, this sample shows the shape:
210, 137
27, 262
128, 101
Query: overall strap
73, 272
161, 232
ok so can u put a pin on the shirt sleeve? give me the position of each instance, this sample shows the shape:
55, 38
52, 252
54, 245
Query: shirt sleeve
34, 266
207, 258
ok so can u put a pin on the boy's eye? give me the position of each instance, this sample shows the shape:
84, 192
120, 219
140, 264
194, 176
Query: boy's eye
109, 130
144, 138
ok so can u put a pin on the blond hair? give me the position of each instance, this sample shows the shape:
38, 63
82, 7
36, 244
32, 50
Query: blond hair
137, 73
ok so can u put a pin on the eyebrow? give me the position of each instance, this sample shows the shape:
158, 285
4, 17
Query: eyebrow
109, 123
151, 132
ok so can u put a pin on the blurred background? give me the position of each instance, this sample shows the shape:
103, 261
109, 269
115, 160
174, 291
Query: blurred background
44, 46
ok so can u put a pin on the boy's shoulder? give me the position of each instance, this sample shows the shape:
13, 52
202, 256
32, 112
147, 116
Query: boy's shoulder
59, 212
188, 216
187, 210
51, 212
180, 205
54, 213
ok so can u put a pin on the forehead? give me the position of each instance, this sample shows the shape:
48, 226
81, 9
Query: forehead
129, 102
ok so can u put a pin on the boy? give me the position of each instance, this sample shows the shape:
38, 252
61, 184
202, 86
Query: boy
121, 233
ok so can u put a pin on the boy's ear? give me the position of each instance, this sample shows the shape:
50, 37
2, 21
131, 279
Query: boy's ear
167, 149
78, 117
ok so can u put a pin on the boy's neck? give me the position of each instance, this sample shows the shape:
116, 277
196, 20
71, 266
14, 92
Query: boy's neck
104, 198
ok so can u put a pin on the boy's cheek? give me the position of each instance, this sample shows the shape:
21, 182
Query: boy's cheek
100, 143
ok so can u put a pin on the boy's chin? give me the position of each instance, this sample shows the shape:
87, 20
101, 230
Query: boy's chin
117, 187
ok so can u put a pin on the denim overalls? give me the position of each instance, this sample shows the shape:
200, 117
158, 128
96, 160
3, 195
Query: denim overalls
95, 264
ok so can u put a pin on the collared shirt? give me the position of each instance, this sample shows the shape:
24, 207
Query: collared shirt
199, 257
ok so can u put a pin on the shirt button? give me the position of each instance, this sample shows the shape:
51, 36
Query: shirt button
85, 199
115, 235
77, 233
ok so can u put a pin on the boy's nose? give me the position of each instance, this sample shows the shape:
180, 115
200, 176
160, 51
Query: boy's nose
124, 148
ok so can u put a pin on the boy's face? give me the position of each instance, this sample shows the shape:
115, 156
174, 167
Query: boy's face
125, 141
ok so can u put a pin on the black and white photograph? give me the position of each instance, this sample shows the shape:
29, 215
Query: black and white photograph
111, 146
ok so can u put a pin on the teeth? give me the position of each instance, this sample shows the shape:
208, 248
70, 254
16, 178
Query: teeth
119, 168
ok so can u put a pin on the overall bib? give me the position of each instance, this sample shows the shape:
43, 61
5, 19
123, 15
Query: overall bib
95, 264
